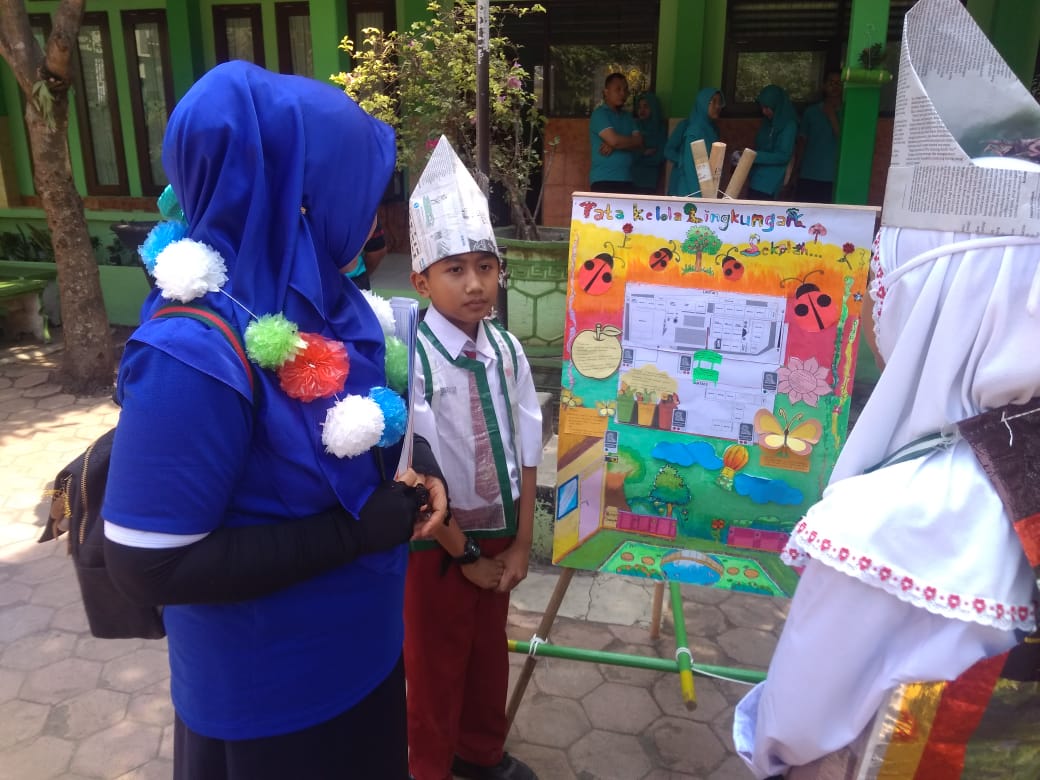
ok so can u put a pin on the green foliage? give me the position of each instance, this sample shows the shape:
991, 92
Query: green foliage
872, 57
579, 71
670, 488
422, 81
701, 239
628, 463
44, 102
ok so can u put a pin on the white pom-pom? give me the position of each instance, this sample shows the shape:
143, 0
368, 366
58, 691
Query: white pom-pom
383, 311
188, 269
354, 425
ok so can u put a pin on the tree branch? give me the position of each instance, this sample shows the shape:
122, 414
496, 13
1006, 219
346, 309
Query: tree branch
57, 66
17, 44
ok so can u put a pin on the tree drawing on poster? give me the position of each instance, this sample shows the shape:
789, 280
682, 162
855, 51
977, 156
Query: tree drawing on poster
710, 348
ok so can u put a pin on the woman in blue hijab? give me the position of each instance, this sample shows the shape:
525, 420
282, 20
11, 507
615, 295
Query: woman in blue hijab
280, 565
774, 144
700, 124
646, 164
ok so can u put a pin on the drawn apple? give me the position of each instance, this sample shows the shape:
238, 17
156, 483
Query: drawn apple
597, 353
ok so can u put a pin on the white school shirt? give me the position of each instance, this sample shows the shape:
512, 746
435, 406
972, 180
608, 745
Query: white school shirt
459, 472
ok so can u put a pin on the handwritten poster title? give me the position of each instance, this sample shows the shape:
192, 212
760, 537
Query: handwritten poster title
691, 213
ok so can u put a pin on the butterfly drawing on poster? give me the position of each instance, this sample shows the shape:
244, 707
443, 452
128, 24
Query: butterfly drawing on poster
791, 436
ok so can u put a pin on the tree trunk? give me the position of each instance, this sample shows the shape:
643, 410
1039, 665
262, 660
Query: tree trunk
88, 359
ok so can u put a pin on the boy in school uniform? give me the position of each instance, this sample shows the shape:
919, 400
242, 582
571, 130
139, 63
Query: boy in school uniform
476, 404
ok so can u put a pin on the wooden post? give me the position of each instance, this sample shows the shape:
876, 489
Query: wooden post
699, 152
715, 161
544, 627
655, 617
736, 181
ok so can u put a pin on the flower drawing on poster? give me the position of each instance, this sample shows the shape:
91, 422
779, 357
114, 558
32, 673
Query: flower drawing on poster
803, 380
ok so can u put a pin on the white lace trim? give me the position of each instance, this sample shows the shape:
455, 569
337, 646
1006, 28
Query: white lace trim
805, 544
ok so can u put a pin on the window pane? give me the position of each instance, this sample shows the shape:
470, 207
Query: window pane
148, 39
367, 19
239, 32
98, 95
577, 73
798, 72
300, 45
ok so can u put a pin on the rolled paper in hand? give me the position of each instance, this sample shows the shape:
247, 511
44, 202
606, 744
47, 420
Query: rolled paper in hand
715, 161
736, 181
700, 164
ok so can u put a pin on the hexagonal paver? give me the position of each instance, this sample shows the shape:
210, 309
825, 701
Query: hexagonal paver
166, 744
37, 650
607, 756
152, 705
117, 750
668, 774
71, 618
10, 682
705, 621
43, 757
567, 678
94, 649
551, 721
156, 769
57, 593
44, 569
31, 379
761, 612
629, 674
19, 721
749, 646
547, 763
137, 670
61, 680
733, 768
13, 592
710, 702
23, 620
623, 708
686, 746
577, 633
86, 713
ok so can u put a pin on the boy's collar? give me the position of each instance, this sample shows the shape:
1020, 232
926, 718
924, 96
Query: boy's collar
454, 339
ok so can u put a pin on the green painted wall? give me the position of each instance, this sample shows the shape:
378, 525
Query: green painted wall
1014, 28
328, 28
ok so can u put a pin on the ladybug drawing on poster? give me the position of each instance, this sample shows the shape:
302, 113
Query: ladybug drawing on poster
732, 268
814, 309
597, 273
660, 259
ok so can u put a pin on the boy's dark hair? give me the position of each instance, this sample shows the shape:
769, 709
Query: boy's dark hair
614, 77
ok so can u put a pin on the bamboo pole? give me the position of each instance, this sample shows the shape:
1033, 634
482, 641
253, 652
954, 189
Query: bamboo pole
732, 674
683, 656
716, 160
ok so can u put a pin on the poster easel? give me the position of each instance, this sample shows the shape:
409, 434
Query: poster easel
708, 364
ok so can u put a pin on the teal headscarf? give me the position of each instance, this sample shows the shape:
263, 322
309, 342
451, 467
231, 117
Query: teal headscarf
646, 168
698, 125
774, 141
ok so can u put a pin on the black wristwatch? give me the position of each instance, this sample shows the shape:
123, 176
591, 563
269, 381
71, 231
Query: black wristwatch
470, 553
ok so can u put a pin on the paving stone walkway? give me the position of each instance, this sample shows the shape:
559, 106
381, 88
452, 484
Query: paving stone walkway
72, 706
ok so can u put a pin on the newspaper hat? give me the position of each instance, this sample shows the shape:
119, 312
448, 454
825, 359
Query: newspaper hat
447, 212
958, 99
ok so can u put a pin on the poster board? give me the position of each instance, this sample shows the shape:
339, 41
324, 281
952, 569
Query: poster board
710, 348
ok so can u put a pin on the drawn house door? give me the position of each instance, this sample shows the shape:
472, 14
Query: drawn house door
590, 501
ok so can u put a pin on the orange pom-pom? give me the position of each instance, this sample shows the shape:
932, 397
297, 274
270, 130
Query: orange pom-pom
317, 371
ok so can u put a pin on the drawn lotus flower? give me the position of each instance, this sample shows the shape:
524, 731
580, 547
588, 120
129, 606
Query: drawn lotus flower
803, 380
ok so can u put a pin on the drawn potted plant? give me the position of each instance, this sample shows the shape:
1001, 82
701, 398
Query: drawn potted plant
665, 407
816, 231
646, 403
626, 402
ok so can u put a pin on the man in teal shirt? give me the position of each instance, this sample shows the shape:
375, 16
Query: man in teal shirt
613, 138
821, 128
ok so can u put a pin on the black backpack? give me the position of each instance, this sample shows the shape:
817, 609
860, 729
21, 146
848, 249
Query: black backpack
79, 490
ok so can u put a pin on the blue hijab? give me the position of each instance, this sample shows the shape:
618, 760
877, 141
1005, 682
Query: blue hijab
282, 176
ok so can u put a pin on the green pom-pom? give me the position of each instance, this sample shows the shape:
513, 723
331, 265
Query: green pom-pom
271, 340
396, 364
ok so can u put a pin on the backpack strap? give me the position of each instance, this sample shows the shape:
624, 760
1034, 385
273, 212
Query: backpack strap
214, 320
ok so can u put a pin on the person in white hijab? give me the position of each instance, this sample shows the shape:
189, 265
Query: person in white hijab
913, 570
